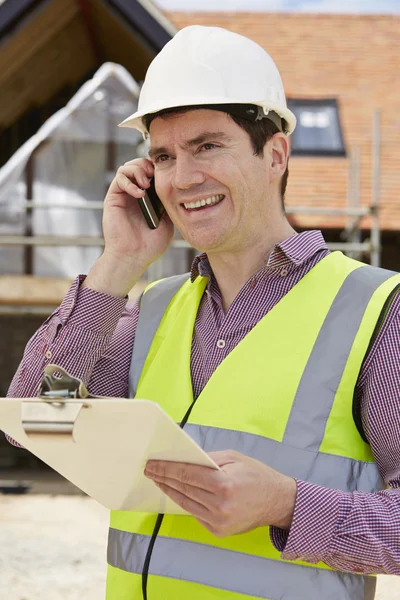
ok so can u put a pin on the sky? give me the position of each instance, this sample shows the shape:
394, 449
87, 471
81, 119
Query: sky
327, 6
338, 6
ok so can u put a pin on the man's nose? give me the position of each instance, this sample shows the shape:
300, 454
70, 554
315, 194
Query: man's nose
187, 173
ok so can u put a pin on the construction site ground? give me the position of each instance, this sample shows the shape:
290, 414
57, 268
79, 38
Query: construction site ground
53, 545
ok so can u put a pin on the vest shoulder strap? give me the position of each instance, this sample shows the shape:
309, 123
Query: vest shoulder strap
158, 298
356, 399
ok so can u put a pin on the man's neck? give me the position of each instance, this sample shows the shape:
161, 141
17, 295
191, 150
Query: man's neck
232, 270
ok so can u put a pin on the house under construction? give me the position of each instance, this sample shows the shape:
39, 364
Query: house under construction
70, 71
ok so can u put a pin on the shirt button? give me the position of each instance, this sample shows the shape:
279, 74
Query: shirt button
48, 354
284, 272
253, 283
221, 344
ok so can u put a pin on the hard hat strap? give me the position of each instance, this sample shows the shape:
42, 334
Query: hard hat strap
250, 112
265, 113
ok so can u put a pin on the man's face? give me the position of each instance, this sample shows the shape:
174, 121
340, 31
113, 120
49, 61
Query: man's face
217, 193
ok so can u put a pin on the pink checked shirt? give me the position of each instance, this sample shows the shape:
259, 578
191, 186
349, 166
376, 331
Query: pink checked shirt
91, 335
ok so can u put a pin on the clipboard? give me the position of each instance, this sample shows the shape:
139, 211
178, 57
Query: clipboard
102, 445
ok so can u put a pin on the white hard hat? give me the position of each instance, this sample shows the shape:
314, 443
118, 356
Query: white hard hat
210, 66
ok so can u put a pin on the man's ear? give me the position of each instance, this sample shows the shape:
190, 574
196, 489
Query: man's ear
279, 154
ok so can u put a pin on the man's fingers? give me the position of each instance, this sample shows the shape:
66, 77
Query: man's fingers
143, 163
224, 457
214, 515
203, 497
126, 185
203, 477
135, 174
191, 506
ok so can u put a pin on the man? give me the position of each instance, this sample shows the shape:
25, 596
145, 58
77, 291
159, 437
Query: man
280, 358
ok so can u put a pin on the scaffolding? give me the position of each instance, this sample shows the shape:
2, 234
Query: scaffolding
352, 243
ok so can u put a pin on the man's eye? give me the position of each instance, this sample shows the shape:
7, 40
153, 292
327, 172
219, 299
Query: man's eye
209, 146
161, 158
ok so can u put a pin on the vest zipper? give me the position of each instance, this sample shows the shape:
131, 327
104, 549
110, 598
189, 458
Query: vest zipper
157, 526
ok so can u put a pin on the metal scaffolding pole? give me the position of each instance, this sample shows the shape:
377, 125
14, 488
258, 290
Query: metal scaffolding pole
329, 212
376, 176
28, 250
352, 232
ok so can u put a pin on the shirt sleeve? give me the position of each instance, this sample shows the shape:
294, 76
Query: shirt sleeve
90, 335
358, 531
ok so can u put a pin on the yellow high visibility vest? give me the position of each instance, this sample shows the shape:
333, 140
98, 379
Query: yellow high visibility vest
283, 396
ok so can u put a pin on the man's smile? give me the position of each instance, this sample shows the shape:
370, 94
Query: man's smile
204, 202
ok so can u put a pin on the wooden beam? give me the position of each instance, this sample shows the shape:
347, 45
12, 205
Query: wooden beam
36, 33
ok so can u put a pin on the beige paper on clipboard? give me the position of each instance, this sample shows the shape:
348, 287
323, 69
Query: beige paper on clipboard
102, 445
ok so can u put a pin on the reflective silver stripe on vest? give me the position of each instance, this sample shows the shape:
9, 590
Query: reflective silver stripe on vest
234, 571
327, 361
328, 470
153, 305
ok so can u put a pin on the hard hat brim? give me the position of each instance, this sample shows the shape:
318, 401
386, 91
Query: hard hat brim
135, 121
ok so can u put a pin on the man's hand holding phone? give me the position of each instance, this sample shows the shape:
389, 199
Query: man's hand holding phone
130, 244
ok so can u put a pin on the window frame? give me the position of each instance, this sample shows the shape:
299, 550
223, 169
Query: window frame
318, 102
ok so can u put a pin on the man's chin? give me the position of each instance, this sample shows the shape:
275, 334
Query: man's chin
206, 241
204, 245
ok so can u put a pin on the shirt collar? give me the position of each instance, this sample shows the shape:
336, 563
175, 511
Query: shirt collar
296, 249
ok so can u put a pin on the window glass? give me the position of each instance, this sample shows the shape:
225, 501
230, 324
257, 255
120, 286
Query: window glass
318, 128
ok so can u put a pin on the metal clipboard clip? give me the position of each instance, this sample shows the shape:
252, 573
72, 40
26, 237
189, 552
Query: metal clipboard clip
63, 398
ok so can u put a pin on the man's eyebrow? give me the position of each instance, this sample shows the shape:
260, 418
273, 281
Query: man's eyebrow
153, 152
218, 136
207, 136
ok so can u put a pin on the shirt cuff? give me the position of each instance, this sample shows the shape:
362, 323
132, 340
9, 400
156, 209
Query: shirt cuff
279, 537
91, 310
317, 514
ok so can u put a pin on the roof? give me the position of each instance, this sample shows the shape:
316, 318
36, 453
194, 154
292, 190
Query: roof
349, 57
48, 45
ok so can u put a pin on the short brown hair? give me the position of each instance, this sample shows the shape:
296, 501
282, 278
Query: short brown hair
260, 132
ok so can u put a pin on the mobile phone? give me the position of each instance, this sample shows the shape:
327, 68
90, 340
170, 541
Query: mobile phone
151, 206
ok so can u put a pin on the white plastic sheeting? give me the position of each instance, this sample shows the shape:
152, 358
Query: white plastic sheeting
69, 165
